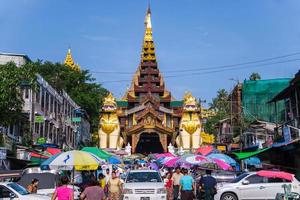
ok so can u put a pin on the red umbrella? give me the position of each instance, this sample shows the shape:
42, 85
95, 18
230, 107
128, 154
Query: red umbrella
205, 150
53, 151
275, 174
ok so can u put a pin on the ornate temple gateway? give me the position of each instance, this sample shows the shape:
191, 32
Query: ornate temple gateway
148, 118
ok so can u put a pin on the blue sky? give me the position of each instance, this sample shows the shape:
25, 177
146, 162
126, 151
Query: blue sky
107, 36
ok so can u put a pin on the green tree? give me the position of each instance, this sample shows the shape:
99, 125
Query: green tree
80, 85
13, 80
255, 76
221, 106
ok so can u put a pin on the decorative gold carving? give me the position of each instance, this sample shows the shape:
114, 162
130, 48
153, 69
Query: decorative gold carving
190, 102
207, 138
190, 119
109, 120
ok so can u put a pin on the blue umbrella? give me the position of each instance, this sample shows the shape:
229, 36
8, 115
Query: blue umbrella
113, 160
223, 157
255, 161
142, 162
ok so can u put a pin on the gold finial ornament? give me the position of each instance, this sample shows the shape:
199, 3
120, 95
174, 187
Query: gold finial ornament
70, 62
148, 52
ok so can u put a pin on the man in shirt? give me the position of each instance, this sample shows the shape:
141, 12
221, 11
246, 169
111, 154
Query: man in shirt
208, 183
175, 179
186, 186
94, 191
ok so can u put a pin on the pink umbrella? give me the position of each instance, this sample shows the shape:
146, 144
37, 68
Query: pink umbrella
171, 162
164, 155
275, 174
197, 160
223, 165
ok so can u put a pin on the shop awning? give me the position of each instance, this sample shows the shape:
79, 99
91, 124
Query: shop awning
244, 155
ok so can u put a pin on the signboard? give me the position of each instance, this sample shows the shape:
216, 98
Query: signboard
39, 119
76, 119
287, 134
3, 153
222, 148
41, 140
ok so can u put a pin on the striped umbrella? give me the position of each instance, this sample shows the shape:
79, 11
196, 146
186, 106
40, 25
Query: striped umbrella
71, 160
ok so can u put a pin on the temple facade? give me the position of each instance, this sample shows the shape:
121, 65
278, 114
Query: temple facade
148, 117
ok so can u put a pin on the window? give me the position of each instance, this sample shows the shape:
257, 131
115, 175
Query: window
137, 177
21, 190
4, 192
239, 178
37, 94
26, 93
277, 180
255, 179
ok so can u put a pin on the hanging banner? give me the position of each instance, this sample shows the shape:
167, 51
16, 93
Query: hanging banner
39, 119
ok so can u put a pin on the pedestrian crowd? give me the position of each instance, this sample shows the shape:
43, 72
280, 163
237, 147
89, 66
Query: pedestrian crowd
180, 184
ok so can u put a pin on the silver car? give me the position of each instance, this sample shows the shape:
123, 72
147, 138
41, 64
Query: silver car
251, 186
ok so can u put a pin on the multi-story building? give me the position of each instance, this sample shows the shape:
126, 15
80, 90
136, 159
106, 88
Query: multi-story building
50, 113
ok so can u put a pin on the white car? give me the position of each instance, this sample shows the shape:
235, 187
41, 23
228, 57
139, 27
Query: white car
10, 190
48, 181
144, 185
251, 186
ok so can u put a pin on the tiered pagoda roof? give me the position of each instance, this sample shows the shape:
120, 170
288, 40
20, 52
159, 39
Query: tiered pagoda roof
147, 79
70, 62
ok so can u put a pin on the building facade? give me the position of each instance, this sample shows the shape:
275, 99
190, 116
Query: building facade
50, 113
148, 117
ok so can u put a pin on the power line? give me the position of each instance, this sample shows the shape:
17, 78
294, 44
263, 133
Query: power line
209, 68
211, 72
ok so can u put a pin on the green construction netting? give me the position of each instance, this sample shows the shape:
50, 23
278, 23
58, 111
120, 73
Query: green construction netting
257, 94
244, 155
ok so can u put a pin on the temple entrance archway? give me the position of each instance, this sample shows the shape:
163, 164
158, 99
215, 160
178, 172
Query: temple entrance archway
149, 143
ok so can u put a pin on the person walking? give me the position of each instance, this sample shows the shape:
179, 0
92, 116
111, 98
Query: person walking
114, 187
33, 187
186, 186
63, 192
101, 179
93, 191
175, 179
169, 186
208, 184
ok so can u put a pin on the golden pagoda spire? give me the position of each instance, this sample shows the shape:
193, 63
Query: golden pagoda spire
70, 62
148, 52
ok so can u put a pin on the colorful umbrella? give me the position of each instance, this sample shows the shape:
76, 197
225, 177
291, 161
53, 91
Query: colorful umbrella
157, 156
71, 160
221, 164
114, 160
255, 161
275, 174
205, 150
154, 166
197, 160
171, 162
53, 151
223, 157
97, 152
